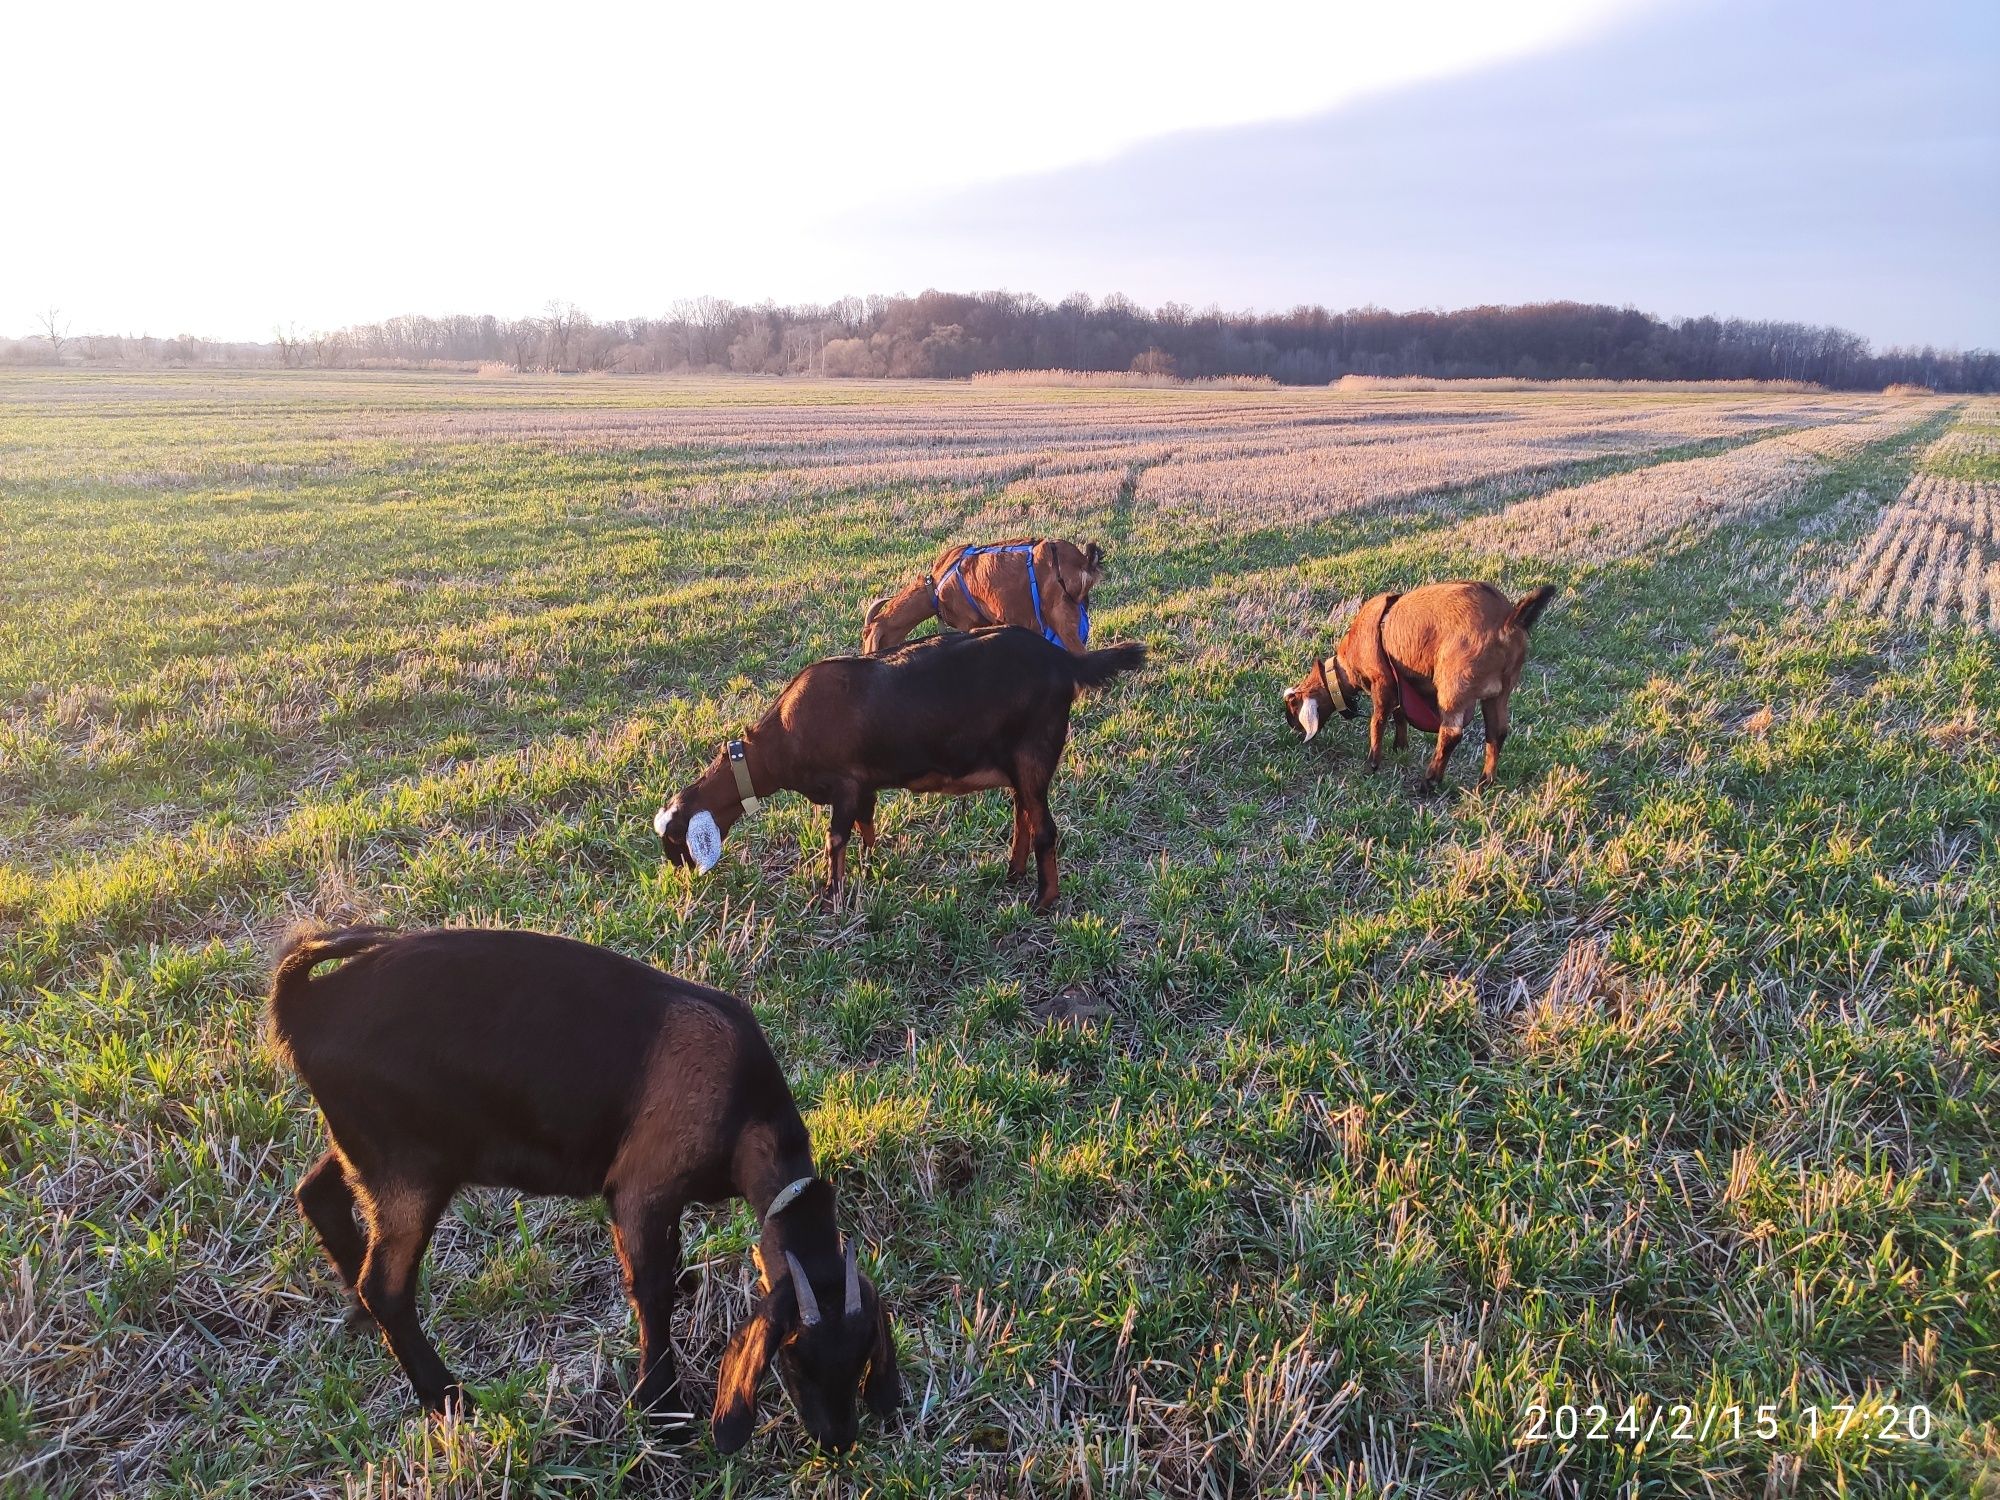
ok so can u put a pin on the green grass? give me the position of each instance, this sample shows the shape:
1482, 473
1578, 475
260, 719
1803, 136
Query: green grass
1323, 1131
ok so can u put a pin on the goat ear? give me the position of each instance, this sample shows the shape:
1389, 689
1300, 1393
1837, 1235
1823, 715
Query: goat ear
743, 1366
1309, 715
883, 1390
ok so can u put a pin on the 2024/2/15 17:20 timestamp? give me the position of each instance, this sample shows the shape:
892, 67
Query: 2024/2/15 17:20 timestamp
1651, 1421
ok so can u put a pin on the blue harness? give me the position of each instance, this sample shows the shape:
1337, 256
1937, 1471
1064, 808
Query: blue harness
1034, 592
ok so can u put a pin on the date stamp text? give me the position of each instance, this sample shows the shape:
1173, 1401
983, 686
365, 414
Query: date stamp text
1645, 1420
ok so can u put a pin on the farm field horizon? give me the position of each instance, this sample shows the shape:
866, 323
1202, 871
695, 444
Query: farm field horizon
1322, 1132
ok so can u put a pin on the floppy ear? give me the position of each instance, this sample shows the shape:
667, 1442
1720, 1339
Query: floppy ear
883, 1390
1309, 714
743, 1365
1093, 564
874, 624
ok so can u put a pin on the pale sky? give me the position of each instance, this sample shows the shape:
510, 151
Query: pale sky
222, 169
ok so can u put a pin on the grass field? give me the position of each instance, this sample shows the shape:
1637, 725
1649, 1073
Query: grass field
1325, 1129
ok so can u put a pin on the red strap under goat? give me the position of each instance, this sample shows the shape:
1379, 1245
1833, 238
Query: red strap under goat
1419, 710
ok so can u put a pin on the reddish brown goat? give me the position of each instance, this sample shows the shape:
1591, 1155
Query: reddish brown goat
1034, 582
951, 713
1426, 657
513, 1059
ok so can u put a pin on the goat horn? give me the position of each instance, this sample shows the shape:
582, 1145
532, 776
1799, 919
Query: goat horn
808, 1303
853, 1284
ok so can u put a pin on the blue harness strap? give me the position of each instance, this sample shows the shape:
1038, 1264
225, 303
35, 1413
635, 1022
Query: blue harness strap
1034, 591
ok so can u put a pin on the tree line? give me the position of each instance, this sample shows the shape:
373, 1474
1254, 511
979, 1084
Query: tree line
951, 334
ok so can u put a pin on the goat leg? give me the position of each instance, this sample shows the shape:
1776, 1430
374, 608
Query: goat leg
839, 829
647, 1234
400, 1220
1378, 719
864, 820
1494, 712
1017, 857
1450, 731
1034, 791
327, 1203
1046, 840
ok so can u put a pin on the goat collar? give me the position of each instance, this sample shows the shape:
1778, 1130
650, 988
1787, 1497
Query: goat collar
751, 802
787, 1196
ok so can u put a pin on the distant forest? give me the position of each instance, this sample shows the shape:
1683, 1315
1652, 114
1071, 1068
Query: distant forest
947, 334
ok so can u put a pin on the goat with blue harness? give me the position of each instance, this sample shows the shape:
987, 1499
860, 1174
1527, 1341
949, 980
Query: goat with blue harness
1039, 583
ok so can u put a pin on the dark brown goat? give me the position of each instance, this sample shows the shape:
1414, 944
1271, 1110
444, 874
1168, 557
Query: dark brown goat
951, 713
513, 1059
1037, 583
1426, 658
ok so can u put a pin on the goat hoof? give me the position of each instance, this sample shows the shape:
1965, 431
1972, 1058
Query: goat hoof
356, 1319
670, 1416
452, 1403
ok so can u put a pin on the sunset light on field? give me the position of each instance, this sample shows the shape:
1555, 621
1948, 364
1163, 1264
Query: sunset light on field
757, 750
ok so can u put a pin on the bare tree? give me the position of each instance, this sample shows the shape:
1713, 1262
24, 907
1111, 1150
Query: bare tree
291, 346
559, 321
523, 334
55, 328
949, 334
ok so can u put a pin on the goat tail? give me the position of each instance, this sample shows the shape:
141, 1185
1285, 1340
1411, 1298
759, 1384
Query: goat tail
303, 950
1531, 606
1095, 668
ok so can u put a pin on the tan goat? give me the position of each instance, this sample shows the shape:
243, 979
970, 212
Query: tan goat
1425, 658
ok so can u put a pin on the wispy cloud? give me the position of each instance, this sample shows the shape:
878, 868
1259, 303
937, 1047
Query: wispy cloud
230, 167
1836, 162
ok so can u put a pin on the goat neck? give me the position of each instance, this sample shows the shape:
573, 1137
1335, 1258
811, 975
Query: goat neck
714, 791
769, 1159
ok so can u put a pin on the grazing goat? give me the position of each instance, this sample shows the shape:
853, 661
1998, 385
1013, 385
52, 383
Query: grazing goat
951, 713
1033, 582
1426, 657
513, 1059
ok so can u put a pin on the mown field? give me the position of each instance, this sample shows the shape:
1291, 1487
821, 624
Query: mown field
1326, 1128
